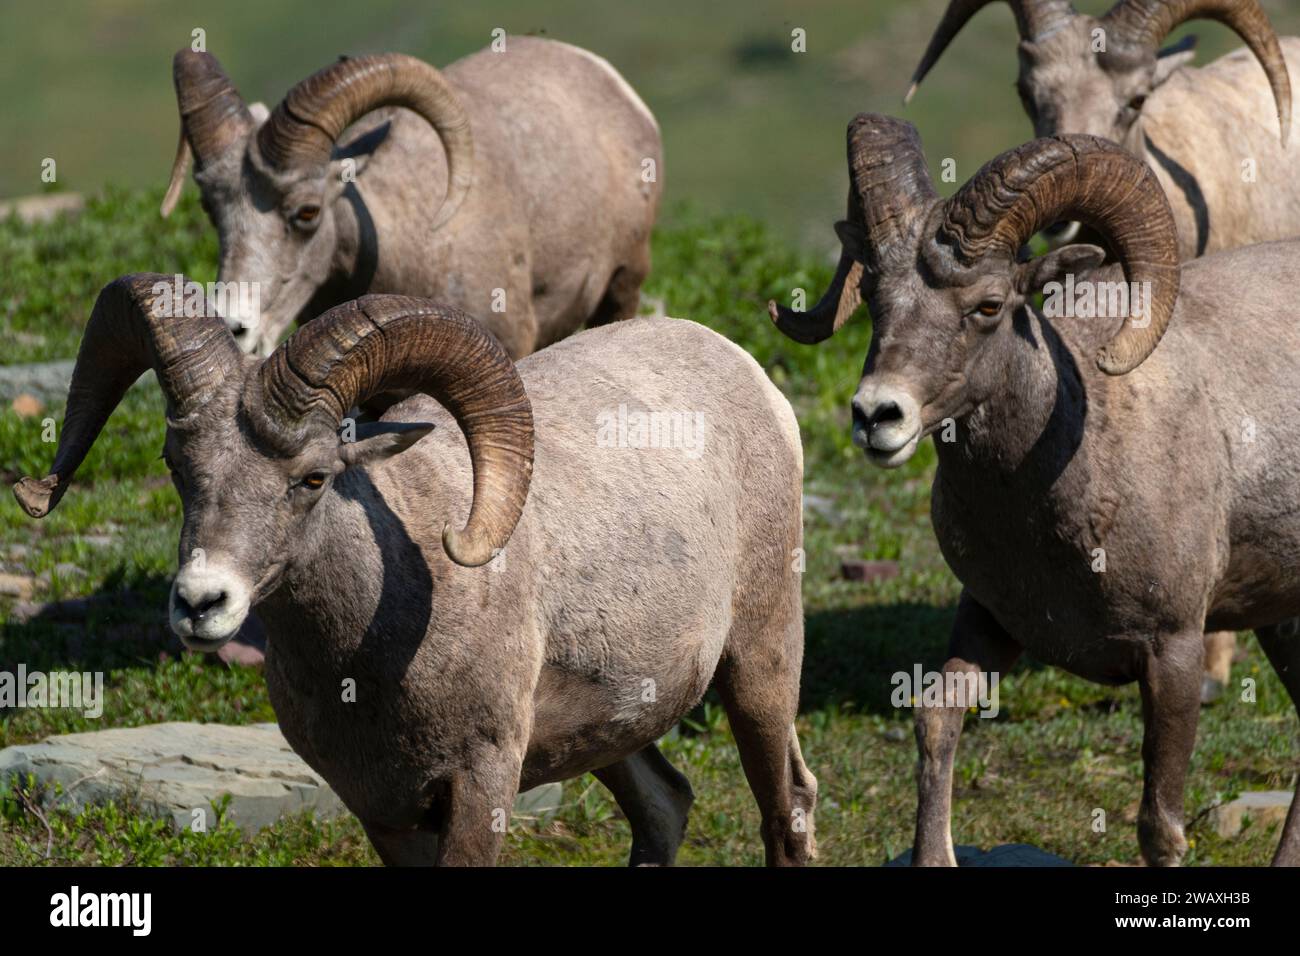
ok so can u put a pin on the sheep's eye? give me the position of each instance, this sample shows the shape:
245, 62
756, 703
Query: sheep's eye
989, 308
314, 481
306, 215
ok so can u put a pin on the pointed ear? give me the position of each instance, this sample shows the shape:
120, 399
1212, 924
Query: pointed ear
376, 441
1055, 265
1173, 57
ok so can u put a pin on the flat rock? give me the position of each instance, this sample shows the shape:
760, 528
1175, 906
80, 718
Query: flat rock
42, 207
17, 585
1263, 807
1009, 854
174, 769
42, 381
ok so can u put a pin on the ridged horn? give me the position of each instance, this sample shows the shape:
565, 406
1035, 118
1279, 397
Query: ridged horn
383, 343
890, 193
302, 129
125, 337
213, 115
1084, 178
1148, 22
1033, 19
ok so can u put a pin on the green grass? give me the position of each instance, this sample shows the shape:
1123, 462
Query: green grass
748, 124
1060, 749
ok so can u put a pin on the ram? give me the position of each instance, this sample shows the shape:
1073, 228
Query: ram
519, 184
1115, 485
599, 584
1211, 134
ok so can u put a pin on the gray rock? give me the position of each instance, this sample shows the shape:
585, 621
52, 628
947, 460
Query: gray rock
896, 735
175, 769
823, 507
1263, 807
47, 381
540, 803
1009, 854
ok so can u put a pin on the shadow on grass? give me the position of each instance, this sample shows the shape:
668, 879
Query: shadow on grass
114, 627
851, 653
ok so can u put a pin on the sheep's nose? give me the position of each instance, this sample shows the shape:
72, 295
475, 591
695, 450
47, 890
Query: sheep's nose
196, 605
882, 413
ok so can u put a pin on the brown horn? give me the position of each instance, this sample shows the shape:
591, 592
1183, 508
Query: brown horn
384, 343
890, 193
304, 126
128, 334
1148, 22
1082, 178
213, 115
1033, 19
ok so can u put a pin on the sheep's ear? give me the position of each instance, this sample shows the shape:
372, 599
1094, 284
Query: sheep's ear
376, 441
1056, 265
1174, 57
853, 238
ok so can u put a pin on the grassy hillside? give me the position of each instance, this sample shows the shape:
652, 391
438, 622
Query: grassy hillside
1060, 748
748, 125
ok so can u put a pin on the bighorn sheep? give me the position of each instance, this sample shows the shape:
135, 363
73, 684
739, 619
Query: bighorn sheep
1103, 500
1211, 135
1201, 130
519, 185
636, 573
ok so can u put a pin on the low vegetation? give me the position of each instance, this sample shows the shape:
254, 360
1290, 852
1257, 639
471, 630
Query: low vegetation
1059, 750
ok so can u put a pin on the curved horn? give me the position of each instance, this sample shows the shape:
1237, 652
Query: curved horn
890, 193
128, 334
1088, 179
386, 342
1148, 22
1033, 19
304, 126
213, 115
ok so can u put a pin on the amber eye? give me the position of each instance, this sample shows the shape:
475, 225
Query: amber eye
306, 214
315, 480
989, 308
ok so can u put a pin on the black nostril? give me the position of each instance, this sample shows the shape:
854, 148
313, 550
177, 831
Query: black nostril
860, 420
201, 607
883, 413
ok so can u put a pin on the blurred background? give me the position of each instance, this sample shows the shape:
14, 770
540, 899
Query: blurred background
748, 124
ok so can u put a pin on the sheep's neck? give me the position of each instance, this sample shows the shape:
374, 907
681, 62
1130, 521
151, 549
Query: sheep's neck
1031, 422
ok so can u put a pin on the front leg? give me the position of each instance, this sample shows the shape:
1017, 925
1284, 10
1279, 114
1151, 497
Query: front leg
1171, 705
978, 644
476, 813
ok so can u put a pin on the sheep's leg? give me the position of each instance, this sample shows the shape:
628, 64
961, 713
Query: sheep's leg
656, 798
1171, 705
1282, 645
622, 296
476, 812
759, 685
978, 644
1219, 648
